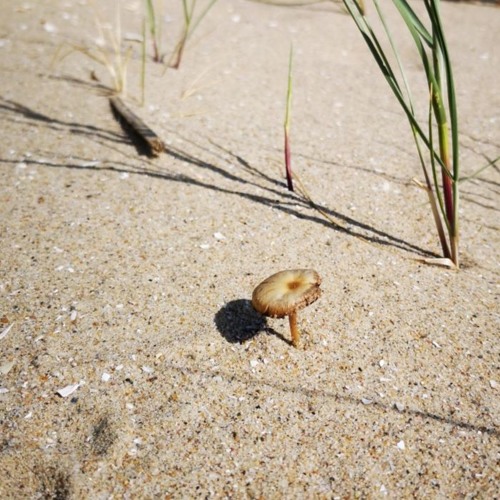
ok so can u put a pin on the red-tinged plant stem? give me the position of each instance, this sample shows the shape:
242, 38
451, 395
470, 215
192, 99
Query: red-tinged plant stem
288, 162
179, 51
156, 53
449, 189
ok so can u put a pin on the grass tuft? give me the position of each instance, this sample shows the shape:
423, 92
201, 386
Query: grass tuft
440, 164
191, 22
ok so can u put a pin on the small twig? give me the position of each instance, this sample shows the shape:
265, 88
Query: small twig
148, 136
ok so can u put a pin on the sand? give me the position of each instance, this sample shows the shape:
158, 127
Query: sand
126, 281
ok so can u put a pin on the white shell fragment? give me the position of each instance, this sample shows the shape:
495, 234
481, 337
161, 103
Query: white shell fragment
400, 406
493, 384
6, 367
401, 445
4, 390
5, 331
105, 377
68, 390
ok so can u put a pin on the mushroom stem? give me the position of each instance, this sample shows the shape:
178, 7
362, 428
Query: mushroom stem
292, 318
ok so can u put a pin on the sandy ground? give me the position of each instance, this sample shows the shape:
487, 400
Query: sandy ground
132, 276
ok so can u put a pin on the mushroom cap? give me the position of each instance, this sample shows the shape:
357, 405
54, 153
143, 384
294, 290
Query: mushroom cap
286, 291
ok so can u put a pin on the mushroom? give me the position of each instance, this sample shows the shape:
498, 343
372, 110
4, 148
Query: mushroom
284, 293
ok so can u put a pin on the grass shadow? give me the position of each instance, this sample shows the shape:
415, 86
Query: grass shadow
275, 194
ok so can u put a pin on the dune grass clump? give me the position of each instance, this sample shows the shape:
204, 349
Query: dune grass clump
440, 164
108, 51
191, 22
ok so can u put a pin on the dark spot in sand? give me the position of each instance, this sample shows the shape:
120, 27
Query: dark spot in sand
103, 436
55, 484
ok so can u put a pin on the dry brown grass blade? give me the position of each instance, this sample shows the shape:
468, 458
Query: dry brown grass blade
148, 136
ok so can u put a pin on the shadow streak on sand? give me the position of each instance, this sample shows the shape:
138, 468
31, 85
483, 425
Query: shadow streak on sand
342, 399
279, 199
238, 322
33, 117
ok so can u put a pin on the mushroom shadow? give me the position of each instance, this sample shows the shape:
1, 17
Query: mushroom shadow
238, 321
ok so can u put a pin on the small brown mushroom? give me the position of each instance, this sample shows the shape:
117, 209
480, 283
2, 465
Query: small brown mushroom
284, 293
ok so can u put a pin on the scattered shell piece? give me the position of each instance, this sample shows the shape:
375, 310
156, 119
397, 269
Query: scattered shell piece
28, 415
68, 390
493, 384
147, 369
5, 331
399, 406
105, 377
219, 236
73, 315
440, 261
49, 28
204, 246
382, 363
4, 390
254, 363
6, 367
401, 445
90, 163
366, 401
435, 344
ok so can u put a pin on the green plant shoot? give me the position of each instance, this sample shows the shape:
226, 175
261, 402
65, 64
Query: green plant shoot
288, 159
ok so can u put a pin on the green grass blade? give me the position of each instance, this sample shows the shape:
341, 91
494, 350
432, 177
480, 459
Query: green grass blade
201, 16
151, 17
491, 163
412, 20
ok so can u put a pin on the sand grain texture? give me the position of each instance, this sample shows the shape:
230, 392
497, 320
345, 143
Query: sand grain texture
132, 277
